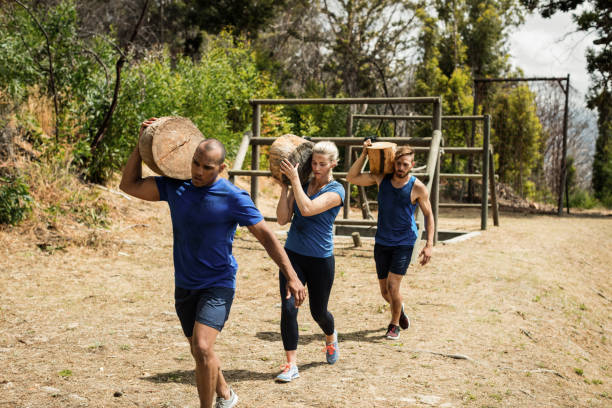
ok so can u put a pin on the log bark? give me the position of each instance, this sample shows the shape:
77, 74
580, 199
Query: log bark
381, 157
168, 144
296, 150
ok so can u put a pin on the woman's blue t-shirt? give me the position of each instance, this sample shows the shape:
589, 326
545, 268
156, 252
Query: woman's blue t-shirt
204, 221
314, 235
396, 224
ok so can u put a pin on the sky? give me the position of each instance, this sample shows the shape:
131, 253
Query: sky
542, 47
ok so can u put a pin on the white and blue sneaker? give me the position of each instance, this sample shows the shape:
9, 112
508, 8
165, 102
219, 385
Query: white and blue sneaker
331, 350
290, 372
227, 403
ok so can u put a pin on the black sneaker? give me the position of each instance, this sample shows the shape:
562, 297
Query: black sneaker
393, 332
404, 321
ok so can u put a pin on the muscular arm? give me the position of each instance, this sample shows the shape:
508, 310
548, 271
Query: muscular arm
133, 183
268, 240
131, 179
422, 197
355, 175
320, 204
307, 206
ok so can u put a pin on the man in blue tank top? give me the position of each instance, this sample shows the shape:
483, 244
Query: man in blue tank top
205, 212
396, 234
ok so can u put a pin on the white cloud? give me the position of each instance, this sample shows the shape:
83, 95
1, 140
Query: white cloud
551, 47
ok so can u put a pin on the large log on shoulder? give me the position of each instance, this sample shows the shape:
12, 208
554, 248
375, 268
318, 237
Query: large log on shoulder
381, 156
296, 150
168, 144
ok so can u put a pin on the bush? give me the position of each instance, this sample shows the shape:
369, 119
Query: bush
213, 92
15, 200
582, 199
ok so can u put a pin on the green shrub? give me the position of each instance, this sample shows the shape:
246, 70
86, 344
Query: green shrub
15, 200
582, 199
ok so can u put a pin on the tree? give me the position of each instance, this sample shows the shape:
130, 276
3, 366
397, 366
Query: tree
594, 17
517, 138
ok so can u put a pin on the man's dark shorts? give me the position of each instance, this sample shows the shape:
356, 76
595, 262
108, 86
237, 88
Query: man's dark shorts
394, 259
209, 306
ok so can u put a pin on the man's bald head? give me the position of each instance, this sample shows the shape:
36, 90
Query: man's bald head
213, 148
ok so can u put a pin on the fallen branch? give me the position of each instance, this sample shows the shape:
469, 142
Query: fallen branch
455, 356
526, 333
602, 295
545, 370
121, 193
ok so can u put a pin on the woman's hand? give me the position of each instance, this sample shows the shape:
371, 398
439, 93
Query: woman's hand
290, 171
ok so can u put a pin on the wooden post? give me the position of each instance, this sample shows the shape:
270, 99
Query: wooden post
484, 212
564, 151
356, 239
255, 151
493, 190
242, 151
363, 198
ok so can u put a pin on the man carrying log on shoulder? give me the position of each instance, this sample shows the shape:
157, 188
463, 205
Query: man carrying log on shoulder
205, 212
396, 233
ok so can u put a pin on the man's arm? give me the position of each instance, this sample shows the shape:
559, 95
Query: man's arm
131, 180
268, 240
422, 197
355, 176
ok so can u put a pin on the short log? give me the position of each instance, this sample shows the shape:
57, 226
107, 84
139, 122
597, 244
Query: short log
356, 239
381, 156
296, 150
168, 144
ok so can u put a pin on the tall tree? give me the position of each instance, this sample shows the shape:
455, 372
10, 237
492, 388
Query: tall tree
593, 17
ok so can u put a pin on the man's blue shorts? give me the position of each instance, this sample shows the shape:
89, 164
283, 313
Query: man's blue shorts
209, 306
394, 259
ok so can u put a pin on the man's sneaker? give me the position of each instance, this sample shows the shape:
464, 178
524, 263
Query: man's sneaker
227, 403
393, 332
290, 372
331, 350
404, 321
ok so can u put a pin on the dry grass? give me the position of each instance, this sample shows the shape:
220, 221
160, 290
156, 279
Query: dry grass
529, 303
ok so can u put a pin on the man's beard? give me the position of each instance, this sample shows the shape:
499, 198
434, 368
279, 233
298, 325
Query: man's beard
400, 174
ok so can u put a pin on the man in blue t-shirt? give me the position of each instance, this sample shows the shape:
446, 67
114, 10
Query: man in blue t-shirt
396, 233
205, 212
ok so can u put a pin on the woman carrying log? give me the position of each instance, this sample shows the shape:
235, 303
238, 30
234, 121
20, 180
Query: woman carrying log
310, 245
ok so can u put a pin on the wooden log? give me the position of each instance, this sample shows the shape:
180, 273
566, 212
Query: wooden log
381, 156
168, 144
296, 150
356, 239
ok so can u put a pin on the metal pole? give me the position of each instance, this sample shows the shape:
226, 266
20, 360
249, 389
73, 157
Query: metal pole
437, 125
242, 151
564, 150
485, 173
347, 165
255, 152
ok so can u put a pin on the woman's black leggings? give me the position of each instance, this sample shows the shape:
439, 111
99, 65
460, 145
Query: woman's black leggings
318, 275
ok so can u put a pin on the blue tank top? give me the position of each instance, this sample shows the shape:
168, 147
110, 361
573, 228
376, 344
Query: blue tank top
396, 224
314, 235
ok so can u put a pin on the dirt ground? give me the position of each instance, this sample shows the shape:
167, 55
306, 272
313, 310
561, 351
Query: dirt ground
527, 308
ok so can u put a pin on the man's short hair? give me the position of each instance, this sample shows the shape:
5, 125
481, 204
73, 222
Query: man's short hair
404, 151
213, 144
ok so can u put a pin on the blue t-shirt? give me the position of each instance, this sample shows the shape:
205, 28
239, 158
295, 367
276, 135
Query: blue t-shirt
396, 224
204, 221
314, 235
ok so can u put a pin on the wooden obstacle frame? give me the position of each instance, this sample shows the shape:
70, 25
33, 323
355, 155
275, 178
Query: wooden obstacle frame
486, 152
432, 170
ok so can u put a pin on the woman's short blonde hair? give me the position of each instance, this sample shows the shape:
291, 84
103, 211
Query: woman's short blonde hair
327, 148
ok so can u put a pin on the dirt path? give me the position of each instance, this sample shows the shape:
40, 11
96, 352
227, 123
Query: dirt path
529, 304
